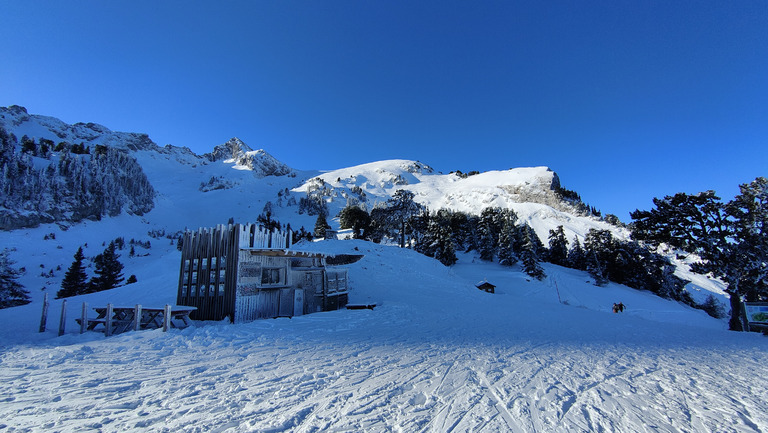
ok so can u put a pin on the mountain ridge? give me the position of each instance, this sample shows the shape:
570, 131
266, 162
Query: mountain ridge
233, 171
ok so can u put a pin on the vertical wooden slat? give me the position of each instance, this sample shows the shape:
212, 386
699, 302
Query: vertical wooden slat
166, 318
108, 323
137, 317
44, 317
63, 319
84, 318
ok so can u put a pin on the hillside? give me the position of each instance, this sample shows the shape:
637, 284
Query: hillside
182, 190
435, 355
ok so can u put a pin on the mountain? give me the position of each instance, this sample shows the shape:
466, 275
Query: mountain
534, 193
259, 161
233, 172
435, 354
67, 175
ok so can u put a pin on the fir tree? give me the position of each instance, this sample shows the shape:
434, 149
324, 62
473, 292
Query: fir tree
598, 248
489, 229
108, 270
401, 210
352, 217
558, 246
12, 293
507, 254
576, 255
436, 241
321, 225
530, 258
75, 279
444, 250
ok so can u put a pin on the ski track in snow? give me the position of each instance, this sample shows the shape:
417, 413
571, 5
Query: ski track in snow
208, 380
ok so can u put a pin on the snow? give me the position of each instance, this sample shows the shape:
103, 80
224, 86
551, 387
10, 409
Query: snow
526, 190
435, 354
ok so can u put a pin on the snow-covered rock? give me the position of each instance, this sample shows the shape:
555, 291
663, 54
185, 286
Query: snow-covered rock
259, 161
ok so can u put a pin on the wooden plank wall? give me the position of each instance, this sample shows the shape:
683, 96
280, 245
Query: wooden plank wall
208, 271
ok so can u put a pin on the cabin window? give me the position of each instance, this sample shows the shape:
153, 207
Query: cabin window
272, 276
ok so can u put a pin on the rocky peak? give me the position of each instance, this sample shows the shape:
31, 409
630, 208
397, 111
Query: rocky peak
259, 161
234, 148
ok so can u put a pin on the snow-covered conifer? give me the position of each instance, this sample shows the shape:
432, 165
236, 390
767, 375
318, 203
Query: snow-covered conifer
558, 246
12, 293
75, 279
108, 270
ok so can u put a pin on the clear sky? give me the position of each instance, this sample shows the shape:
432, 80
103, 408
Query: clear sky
625, 100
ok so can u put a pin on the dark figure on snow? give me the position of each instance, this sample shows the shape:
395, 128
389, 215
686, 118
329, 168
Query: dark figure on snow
621, 307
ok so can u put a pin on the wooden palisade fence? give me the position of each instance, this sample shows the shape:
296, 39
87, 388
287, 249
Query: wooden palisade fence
207, 279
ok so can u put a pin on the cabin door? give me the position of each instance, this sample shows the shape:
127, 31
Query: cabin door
313, 291
298, 302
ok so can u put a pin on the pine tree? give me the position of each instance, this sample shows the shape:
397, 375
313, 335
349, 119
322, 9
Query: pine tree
507, 255
355, 218
576, 255
558, 246
436, 241
321, 225
12, 293
108, 270
489, 228
401, 209
530, 258
598, 249
731, 239
444, 250
75, 279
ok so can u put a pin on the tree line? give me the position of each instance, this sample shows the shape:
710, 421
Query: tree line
41, 183
730, 239
498, 235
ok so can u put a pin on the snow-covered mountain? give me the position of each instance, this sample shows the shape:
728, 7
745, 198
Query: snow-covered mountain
436, 354
235, 183
532, 192
233, 174
259, 161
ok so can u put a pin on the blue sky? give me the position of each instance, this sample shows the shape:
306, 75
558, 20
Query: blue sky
625, 100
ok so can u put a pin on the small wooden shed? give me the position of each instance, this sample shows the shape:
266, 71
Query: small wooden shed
245, 273
486, 287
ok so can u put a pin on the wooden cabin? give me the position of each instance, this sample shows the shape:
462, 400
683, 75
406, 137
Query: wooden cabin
486, 287
245, 273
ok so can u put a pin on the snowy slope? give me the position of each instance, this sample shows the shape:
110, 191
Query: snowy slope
529, 191
435, 355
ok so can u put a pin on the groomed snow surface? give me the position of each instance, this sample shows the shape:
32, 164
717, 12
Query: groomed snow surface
435, 355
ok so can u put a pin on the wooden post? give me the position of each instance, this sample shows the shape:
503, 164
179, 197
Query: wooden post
167, 318
63, 320
44, 318
84, 318
137, 317
744, 318
108, 323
